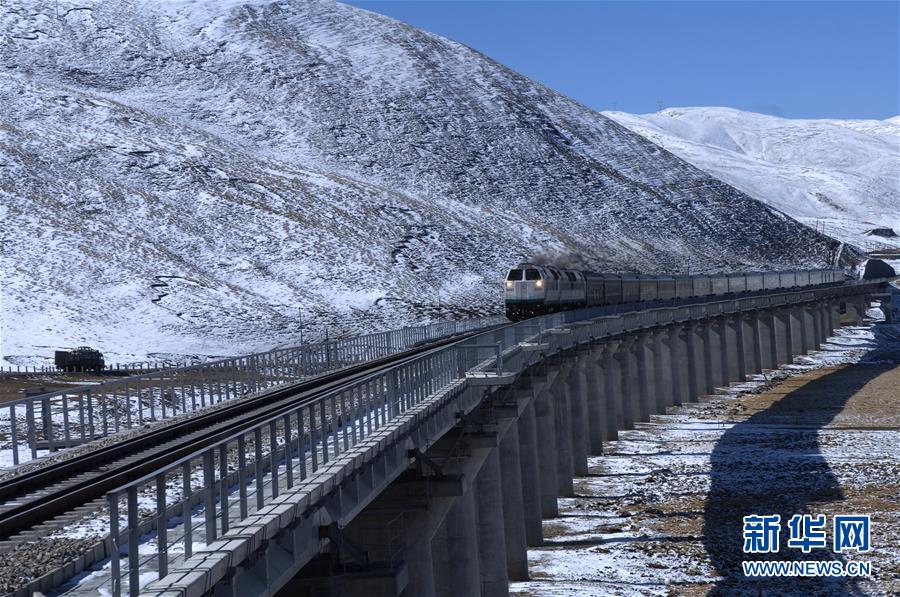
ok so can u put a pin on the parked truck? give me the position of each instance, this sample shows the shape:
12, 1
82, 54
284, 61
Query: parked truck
83, 358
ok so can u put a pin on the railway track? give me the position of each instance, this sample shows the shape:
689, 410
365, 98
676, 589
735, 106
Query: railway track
44, 500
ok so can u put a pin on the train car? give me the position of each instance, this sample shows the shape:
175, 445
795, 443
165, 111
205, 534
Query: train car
665, 288
533, 289
755, 282
787, 279
718, 284
701, 286
612, 289
647, 289
684, 287
525, 293
737, 283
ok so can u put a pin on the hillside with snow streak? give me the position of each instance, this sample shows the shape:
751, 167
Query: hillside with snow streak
183, 177
840, 176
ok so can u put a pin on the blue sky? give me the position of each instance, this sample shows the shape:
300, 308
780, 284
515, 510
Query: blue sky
794, 59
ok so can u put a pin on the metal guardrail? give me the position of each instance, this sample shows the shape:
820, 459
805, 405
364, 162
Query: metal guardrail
35, 426
210, 491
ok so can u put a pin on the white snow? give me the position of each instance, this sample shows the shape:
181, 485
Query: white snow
840, 176
180, 178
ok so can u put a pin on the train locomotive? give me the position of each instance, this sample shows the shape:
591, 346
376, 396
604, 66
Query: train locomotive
531, 289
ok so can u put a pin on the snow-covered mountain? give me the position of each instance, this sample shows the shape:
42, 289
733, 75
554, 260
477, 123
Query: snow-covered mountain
182, 177
841, 176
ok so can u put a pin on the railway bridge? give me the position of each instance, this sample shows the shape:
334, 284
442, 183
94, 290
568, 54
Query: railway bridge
430, 473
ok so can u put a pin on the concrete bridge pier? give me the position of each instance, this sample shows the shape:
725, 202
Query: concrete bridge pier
769, 339
662, 360
545, 429
678, 364
644, 364
762, 346
455, 562
783, 347
749, 354
492, 552
596, 399
696, 370
822, 322
576, 388
731, 370
796, 332
835, 314
562, 428
815, 327
712, 356
627, 358
812, 323
529, 468
611, 373
515, 519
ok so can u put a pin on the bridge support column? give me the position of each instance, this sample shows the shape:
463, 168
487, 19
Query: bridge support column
678, 364
546, 451
712, 355
825, 320
562, 427
763, 339
662, 364
731, 352
529, 463
796, 333
491, 528
596, 400
834, 314
646, 377
808, 326
811, 321
746, 340
578, 416
782, 329
821, 334
627, 357
514, 516
696, 363
612, 388
459, 573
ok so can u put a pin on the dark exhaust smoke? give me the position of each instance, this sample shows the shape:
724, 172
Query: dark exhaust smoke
562, 260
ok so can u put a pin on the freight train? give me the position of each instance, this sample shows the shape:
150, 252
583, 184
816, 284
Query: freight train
532, 289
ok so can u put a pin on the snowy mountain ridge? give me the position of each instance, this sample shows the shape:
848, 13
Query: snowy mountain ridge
193, 177
841, 176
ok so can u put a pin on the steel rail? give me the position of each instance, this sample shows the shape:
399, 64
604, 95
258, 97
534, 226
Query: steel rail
159, 447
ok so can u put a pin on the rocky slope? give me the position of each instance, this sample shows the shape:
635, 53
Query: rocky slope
182, 177
841, 176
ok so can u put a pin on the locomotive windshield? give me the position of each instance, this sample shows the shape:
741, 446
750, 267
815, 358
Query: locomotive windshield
532, 274
514, 274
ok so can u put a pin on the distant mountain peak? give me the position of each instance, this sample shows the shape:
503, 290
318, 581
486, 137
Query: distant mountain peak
835, 175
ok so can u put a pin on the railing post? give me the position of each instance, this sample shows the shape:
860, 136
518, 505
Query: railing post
134, 572
209, 495
162, 538
114, 551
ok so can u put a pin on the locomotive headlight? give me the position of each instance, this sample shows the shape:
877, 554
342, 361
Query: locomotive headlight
539, 284
509, 284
